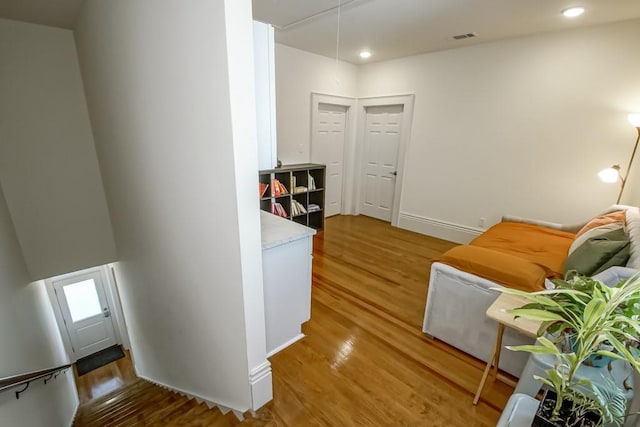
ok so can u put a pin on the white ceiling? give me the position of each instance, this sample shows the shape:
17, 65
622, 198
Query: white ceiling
388, 28
397, 28
55, 13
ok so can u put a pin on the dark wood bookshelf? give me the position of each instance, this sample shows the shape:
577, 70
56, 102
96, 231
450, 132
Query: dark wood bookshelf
292, 177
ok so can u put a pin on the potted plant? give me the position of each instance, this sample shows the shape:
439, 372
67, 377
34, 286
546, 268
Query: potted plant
603, 321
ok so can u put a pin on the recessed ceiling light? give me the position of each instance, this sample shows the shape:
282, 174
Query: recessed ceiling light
572, 12
365, 54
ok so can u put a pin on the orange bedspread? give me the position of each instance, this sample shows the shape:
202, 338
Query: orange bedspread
513, 254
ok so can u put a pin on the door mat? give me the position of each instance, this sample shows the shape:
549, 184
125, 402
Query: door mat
101, 358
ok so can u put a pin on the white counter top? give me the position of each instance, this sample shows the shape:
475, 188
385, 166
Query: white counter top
277, 231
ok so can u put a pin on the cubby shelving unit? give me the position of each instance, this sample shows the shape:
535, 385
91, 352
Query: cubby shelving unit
292, 177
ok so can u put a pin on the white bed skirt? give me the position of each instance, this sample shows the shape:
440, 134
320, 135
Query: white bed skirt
455, 313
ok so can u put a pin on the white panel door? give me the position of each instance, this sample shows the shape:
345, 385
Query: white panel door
381, 142
86, 314
328, 148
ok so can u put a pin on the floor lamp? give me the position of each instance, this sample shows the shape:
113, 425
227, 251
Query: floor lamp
613, 174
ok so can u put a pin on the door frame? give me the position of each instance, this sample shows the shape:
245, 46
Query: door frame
348, 206
113, 302
407, 102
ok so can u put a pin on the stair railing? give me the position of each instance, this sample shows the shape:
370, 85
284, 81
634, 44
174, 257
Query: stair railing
25, 379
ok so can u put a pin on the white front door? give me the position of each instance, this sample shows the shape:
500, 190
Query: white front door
381, 143
328, 141
86, 314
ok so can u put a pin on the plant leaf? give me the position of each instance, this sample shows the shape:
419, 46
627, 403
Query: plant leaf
543, 300
538, 349
544, 381
534, 314
547, 343
593, 311
622, 349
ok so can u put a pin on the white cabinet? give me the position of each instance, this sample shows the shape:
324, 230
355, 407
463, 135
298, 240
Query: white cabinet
264, 64
286, 265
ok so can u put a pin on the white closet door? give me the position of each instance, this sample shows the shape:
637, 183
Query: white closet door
328, 148
381, 142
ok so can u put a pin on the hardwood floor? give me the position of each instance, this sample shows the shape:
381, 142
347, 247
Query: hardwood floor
105, 380
365, 360
141, 403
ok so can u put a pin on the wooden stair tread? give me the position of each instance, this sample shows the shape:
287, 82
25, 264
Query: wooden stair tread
122, 400
142, 403
142, 409
194, 414
122, 393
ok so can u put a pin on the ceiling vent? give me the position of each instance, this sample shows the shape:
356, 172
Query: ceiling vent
464, 36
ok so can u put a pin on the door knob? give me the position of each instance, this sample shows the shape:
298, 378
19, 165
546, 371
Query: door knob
394, 173
106, 312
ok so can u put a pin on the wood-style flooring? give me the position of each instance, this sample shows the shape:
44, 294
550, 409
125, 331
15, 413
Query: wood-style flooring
364, 360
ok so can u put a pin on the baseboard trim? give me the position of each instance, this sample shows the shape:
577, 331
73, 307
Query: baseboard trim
261, 382
75, 415
436, 228
285, 345
73, 389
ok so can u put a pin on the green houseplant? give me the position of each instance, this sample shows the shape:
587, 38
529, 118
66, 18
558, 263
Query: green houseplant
603, 322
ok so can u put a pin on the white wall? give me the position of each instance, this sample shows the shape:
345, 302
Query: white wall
177, 156
265, 79
48, 166
241, 69
516, 127
298, 73
31, 341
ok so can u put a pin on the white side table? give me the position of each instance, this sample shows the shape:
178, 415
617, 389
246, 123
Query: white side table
519, 412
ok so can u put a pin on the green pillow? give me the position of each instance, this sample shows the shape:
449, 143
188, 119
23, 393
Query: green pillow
599, 253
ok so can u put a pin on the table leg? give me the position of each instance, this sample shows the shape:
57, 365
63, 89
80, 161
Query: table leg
495, 357
496, 364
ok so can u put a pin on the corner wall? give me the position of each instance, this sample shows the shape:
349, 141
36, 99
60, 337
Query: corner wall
31, 342
517, 127
175, 136
48, 166
298, 73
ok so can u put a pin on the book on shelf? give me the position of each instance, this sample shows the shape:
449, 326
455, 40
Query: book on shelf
299, 189
312, 183
277, 209
297, 208
275, 188
263, 189
313, 208
278, 188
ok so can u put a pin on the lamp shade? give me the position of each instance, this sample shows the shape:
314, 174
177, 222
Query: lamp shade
609, 175
634, 119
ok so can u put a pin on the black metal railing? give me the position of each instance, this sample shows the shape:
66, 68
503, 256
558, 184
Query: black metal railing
23, 380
